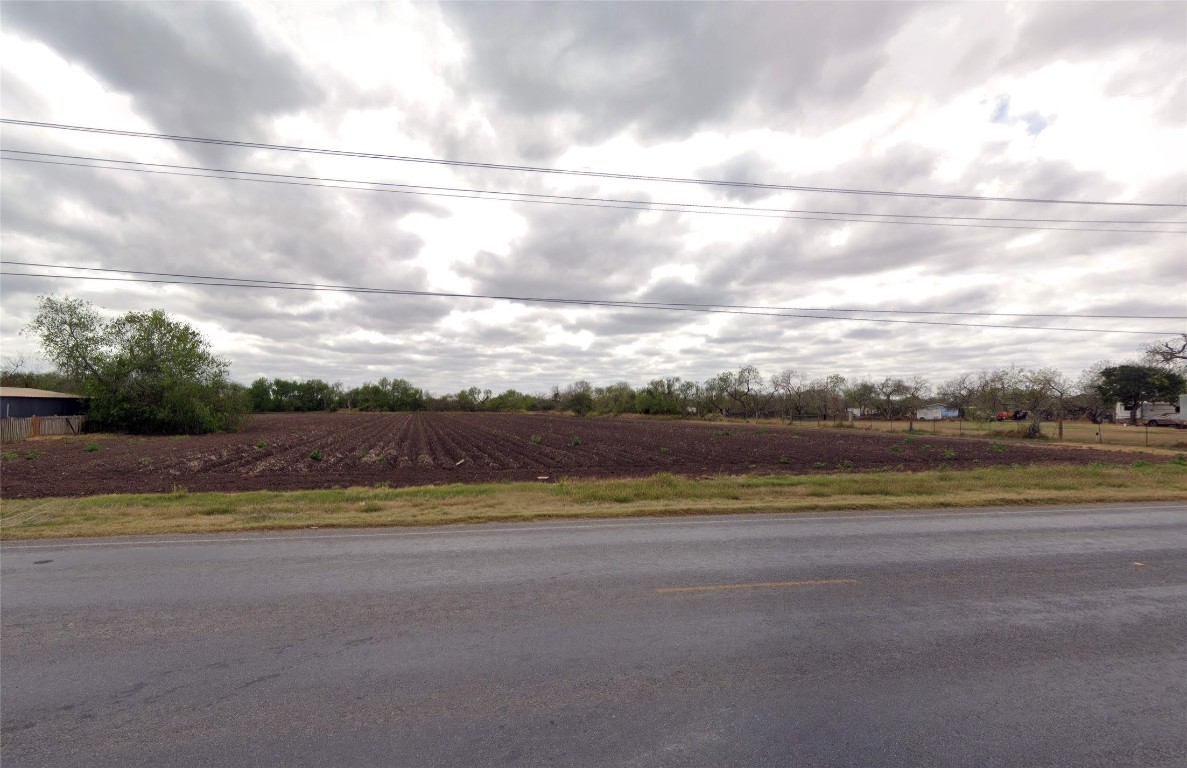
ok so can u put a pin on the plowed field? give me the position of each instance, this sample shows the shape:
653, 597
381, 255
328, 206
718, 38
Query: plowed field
309, 451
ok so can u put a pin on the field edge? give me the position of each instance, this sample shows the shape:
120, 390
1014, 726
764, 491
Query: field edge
661, 494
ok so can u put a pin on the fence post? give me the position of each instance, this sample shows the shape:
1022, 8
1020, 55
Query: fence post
35, 427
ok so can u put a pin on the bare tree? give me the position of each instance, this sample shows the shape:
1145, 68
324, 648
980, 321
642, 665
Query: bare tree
1039, 391
959, 392
892, 392
748, 392
1168, 352
994, 390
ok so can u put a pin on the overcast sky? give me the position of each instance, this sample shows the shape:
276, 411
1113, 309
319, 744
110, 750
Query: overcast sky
1068, 101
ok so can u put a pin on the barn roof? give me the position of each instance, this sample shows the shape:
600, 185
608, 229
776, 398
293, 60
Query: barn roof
27, 392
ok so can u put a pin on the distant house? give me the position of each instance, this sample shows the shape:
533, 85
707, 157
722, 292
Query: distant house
936, 412
22, 402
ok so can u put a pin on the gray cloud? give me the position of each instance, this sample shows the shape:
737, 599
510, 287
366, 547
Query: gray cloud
542, 79
198, 68
665, 70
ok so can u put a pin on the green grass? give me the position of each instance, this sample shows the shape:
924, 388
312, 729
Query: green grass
661, 494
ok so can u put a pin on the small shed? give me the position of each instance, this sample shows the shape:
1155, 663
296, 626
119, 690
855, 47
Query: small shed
937, 412
22, 402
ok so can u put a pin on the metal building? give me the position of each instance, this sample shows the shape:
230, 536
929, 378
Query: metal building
22, 402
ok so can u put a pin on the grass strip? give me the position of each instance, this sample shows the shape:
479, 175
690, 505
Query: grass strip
661, 494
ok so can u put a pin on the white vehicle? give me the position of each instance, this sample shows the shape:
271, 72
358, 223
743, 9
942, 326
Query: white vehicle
1151, 414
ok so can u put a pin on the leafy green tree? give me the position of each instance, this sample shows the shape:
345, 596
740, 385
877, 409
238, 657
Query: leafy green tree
1133, 385
662, 396
142, 371
511, 400
259, 396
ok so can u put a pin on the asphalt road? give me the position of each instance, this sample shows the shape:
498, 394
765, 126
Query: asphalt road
1044, 637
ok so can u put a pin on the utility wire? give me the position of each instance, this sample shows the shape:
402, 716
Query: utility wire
568, 172
516, 197
711, 206
278, 285
621, 302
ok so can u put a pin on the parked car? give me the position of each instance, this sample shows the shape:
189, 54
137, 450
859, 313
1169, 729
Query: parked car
1168, 421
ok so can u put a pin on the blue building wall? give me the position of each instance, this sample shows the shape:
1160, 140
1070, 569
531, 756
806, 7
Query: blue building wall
24, 407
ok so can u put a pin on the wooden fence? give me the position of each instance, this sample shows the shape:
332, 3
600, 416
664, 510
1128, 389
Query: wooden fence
36, 426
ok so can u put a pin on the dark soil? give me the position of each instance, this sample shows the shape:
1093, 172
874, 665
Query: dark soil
309, 451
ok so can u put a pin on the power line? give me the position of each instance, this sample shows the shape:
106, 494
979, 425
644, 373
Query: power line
280, 285
528, 197
569, 172
619, 302
711, 206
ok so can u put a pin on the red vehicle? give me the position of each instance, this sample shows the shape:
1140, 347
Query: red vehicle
1011, 415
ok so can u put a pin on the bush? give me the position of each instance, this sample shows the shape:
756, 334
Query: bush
141, 372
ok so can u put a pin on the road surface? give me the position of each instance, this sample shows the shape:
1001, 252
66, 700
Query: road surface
1041, 637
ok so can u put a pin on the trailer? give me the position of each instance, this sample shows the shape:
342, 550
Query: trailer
1152, 414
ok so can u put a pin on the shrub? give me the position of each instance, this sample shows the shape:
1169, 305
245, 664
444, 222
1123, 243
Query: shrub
92, 447
141, 371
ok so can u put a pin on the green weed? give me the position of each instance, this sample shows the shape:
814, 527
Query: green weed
315, 454
92, 447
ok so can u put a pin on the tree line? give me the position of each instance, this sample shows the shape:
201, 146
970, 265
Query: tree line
787, 395
145, 372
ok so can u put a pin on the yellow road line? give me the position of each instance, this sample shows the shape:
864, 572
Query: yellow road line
756, 585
